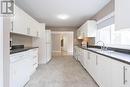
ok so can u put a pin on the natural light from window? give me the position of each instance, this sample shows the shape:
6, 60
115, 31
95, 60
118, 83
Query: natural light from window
111, 37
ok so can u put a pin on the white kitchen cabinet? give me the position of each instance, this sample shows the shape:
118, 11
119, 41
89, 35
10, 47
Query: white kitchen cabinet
88, 29
86, 59
103, 71
97, 66
18, 70
34, 26
78, 34
81, 56
38, 30
92, 64
19, 22
120, 74
22, 66
75, 53
24, 24
122, 19
76, 49
35, 58
41, 43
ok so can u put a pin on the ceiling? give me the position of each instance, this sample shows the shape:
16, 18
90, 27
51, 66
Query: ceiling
46, 11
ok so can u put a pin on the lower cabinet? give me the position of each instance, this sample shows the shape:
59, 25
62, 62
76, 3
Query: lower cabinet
120, 74
22, 65
75, 52
18, 76
105, 71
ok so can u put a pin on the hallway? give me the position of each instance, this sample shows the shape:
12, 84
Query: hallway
61, 71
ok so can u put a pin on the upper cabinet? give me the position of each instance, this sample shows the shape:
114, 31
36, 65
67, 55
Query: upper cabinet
88, 29
18, 22
24, 24
122, 19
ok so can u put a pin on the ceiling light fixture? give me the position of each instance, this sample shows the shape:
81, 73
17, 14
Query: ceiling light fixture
63, 16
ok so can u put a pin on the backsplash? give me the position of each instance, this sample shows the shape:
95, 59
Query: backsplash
21, 40
89, 40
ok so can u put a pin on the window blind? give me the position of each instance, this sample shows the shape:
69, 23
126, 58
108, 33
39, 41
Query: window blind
105, 23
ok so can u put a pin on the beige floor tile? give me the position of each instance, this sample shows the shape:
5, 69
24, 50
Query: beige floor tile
61, 71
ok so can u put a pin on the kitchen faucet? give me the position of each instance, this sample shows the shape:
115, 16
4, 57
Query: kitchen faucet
103, 45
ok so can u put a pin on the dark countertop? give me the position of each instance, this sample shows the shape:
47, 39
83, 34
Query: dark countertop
122, 57
21, 50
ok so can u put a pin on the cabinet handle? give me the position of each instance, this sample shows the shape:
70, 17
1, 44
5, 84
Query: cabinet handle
37, 34
28, 30
124, 75
96, 60
12, 25
88, 55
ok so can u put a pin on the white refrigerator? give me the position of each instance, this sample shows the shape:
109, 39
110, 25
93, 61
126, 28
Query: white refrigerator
48, 46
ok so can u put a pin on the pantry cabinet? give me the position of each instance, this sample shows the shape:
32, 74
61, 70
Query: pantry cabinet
24, 24
122, 19
88, 29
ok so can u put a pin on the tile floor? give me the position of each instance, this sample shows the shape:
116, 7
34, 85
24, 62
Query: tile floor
61, 71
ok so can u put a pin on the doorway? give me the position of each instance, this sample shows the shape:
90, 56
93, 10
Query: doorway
62, 43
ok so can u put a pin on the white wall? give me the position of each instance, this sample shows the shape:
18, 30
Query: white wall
6, 50
1, 52
109, 8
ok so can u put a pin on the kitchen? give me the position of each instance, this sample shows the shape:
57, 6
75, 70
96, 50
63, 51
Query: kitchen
61, 43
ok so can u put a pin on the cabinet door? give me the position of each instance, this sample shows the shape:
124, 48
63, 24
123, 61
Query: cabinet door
91, 28
18, 77
48, 36
80, 56
92, 64
103, 71
85, 30
19, 22
75, 52
127, 75
120, 74
86, 59
31, 26
122, 19
88, 62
